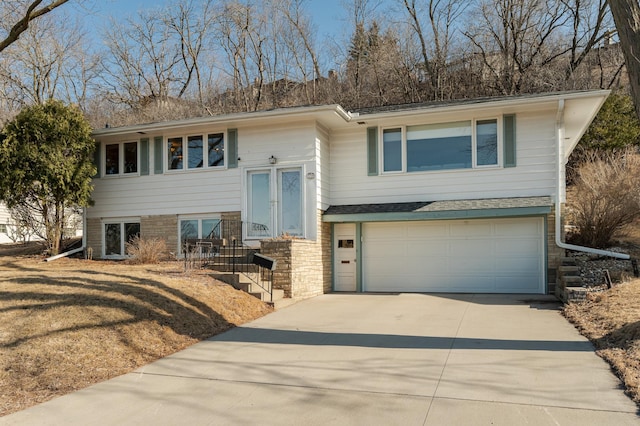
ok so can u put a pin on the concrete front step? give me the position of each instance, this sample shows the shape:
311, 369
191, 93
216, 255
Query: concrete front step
243, 283
265, 297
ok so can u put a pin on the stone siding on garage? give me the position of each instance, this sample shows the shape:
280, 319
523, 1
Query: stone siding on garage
303, 267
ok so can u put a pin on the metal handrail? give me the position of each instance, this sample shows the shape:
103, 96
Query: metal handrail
224, 247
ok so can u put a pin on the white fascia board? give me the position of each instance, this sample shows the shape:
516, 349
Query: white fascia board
577, 117
330, 112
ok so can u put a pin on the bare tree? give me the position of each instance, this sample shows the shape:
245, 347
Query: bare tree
49, 61
154, 60
241, 32
516, 39
587, 19
626, 14
25, 12
435, 42
191, 25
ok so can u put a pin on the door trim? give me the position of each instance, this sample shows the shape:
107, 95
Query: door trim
358, 255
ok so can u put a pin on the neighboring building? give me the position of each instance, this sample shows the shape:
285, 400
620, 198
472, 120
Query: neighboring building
10, 232
5, 230
440, 197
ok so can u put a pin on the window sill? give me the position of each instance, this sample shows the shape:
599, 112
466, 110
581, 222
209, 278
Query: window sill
444, 171
198, 170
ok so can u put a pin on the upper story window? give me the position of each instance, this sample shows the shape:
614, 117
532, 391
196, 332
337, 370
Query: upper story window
195, 151
121, 158
441, 146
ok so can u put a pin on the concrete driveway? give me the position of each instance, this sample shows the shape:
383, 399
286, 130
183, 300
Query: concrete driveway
407, 359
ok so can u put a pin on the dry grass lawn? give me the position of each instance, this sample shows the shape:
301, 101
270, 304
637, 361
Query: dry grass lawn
67, 324
611, 320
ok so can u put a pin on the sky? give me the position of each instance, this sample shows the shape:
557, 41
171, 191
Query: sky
328, 15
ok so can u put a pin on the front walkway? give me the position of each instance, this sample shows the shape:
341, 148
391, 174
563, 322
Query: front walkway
407, 359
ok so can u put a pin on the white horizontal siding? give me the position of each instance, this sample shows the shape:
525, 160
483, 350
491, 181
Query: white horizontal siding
323, 155
204, 191
170, 193
293, 145
4, 220
533, 176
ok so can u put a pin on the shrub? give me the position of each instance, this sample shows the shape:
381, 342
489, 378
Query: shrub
607, 198
144, 251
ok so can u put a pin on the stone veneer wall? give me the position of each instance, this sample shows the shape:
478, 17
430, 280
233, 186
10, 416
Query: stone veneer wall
233, 227
94, 237
303, 267
164, 227
554, 253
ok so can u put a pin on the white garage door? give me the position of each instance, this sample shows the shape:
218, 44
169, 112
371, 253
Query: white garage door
474, 256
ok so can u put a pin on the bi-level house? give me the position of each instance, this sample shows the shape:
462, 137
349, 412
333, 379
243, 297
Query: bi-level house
459, 196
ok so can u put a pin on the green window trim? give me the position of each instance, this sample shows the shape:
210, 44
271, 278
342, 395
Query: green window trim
509, 140
372, 151
144, 157
96, 159
158, 167
232, 147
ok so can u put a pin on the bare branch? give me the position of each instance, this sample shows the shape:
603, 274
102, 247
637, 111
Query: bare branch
31, 13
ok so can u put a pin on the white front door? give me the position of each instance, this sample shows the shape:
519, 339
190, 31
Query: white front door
275, 200
344, 256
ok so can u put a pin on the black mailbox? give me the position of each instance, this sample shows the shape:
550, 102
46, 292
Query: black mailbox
264, 261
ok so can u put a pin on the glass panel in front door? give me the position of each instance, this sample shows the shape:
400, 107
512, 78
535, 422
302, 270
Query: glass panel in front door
259, 205
290, 206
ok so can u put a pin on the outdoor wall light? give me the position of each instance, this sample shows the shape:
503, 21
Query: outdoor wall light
272, 160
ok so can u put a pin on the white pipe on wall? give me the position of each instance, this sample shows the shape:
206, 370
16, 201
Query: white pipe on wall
560, 159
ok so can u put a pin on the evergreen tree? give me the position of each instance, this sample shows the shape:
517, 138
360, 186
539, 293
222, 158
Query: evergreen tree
46, 165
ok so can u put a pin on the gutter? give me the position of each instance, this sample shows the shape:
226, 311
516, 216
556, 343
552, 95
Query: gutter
559, 242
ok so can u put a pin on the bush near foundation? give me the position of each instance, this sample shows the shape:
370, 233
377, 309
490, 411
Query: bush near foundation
145, 251
607, 198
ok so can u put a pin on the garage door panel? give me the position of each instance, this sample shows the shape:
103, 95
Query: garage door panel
384, 249
470, 229
469, 248
426, 268
524, 265
511, 228
429, 230
514, 247
489, 256
517, 284
435, 248
387, 231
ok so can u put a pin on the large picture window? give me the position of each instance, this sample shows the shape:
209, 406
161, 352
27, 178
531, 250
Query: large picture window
116, 235
441, 146
121, 158
201, 151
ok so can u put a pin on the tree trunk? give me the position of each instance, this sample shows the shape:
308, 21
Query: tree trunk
626, 14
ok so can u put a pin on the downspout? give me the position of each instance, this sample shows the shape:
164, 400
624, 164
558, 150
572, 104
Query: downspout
560, 159
84, 240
